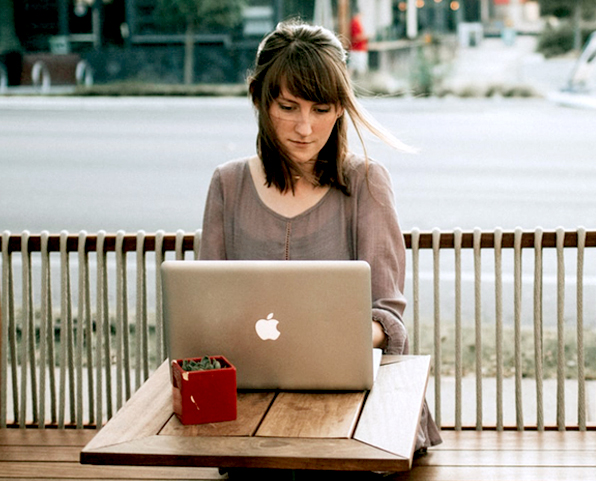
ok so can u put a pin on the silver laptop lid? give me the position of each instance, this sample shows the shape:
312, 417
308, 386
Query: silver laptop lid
297, 325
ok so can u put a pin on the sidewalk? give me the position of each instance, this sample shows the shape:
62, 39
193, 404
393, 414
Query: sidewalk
494, 64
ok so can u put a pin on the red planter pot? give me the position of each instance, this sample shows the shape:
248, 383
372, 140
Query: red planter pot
204, 396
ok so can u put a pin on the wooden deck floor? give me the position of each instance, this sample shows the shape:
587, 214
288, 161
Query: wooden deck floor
37, 454
508, 456
32, 454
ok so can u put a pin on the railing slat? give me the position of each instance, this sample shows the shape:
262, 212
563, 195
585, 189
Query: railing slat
65, 329
85, 335
43, 323
437, 323
478, 325
159, 258
179, 248
538, 337
125, 328
196, 245
416, 290
499, 325
119, 326
560, 330
24, 345
458, 331
581, 378
8, 339
122, 326
100, 320
517, 307
141, 328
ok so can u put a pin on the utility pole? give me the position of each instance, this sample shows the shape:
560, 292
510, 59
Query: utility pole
130, 25
343, 21
485, 11
97, 23
577, 35
440, 11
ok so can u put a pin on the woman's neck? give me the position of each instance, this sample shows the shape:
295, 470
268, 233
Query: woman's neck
290, 203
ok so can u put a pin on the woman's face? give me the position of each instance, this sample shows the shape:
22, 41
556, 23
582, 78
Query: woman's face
301, 126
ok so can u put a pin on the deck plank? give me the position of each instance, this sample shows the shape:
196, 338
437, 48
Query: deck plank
43, 437
500, 473
516, 440
65, 454
61, 470
38, 454
510, 458
507, 456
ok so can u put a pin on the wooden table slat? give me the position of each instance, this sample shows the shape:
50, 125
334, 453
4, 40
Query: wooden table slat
252, 406
390, 417
144, 414
313, 415
253, 452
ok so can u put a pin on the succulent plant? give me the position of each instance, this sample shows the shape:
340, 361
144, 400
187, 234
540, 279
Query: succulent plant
204, 364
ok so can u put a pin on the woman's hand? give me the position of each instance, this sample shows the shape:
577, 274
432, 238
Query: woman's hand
378, 335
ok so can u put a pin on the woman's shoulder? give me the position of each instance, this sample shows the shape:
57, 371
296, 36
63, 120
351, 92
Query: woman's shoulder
359, 169
233, 166
232, 171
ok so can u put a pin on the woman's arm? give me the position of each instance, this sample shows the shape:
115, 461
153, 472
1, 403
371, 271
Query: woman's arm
380, 242
213, 235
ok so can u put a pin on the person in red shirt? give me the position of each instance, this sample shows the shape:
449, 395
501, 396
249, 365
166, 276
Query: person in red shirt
358, 46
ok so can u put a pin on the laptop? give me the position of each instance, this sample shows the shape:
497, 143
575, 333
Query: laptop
292, 325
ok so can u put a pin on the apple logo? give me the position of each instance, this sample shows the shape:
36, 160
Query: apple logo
267, 328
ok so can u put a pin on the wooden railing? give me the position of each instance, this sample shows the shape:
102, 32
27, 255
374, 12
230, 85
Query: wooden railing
79, 334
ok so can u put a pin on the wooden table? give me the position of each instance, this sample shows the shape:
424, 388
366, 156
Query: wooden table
368, 431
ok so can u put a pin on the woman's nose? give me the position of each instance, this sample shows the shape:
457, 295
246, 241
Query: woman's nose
304, 125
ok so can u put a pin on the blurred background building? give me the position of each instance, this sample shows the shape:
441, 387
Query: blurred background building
214, 41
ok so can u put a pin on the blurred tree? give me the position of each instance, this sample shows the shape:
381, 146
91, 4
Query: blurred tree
566, 8
199, 16
574, 10
10, 46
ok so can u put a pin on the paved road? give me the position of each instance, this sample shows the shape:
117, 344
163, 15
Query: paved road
145, 164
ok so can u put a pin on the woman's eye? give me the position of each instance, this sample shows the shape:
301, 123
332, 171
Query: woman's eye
323, 110
285, 107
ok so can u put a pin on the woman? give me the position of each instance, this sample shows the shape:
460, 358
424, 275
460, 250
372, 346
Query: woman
304, 195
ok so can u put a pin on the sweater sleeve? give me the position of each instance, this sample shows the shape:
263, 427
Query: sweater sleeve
380, 242
213, 235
